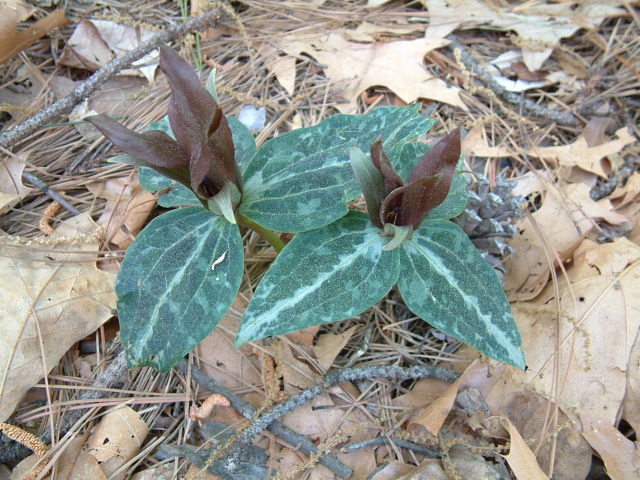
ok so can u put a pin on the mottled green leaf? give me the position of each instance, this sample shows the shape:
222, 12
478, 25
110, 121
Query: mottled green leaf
302, 180
444, 280
321, 276
176, 282
173, 194
176, 194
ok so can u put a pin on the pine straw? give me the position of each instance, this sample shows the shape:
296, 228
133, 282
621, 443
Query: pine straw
387, 334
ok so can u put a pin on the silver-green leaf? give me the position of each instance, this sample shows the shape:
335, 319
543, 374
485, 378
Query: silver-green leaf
302, 180
329, 274
445, 281
176, 282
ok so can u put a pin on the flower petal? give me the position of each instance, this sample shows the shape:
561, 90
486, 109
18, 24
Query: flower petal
154, 147
409, 205
391, 179
370, 181
441, 159
199, 126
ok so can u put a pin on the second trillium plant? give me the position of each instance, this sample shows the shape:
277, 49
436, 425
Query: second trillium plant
183, 271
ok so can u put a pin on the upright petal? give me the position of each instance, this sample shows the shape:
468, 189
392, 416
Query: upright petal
391, 179
370, 181
441, 159
199, 126
154, 147
409, 205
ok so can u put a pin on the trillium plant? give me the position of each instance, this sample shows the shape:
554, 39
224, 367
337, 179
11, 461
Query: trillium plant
180, 276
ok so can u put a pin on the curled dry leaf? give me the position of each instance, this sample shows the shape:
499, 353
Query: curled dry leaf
395, 65
597, 310
520, 458
94, 43
540, 26
127, 209
13, 41
12, 189
620, 455
329, 345
580, 154
117, 439
64, 293
567, 214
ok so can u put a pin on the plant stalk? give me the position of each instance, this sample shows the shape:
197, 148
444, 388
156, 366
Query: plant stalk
269, 235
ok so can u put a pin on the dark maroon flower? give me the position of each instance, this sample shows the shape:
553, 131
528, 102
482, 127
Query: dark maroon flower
391, 201
202, 157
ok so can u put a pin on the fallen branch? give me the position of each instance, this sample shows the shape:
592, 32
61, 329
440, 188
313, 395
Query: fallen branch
248, 411
383, 440
529, 106
86, 88
11, 451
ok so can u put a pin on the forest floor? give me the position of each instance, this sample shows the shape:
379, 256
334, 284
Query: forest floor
547, 95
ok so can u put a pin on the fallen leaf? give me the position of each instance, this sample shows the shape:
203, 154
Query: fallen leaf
475, 143
323, 424
371, 32
117, 439
12, 190
540, 26
296, 375
329, 345
94, 43
284, 68
627, 193
433, 416
631, 404
165, 472
533, 416
580, 154
13, 41
126, 211
423, 393
599, 309
232, 367
566, 216
620, 455
52, 296
520, 458
357, 66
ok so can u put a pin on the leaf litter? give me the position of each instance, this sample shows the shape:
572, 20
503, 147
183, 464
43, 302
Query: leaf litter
577, 388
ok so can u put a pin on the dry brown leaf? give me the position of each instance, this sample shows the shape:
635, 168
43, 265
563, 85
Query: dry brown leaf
96, 42
580, 154
628, 193
601, 309
520, 458
13, 41
433, 416
232, 367
284, 68
165, 472
329, 345
423, 393
323, 424
631, 404
358, 66
117, 439
51, 295
475, 143
430, 469
620, 455
567, 214
533, 416
296, 375
370, 32
12, 190
540, 26
127, 209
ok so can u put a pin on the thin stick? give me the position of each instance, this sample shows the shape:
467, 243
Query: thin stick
86, 88
10, 451
248, 411
44, 188
382, 440
564, 118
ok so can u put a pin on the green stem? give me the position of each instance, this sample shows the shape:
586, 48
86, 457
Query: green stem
269, 235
